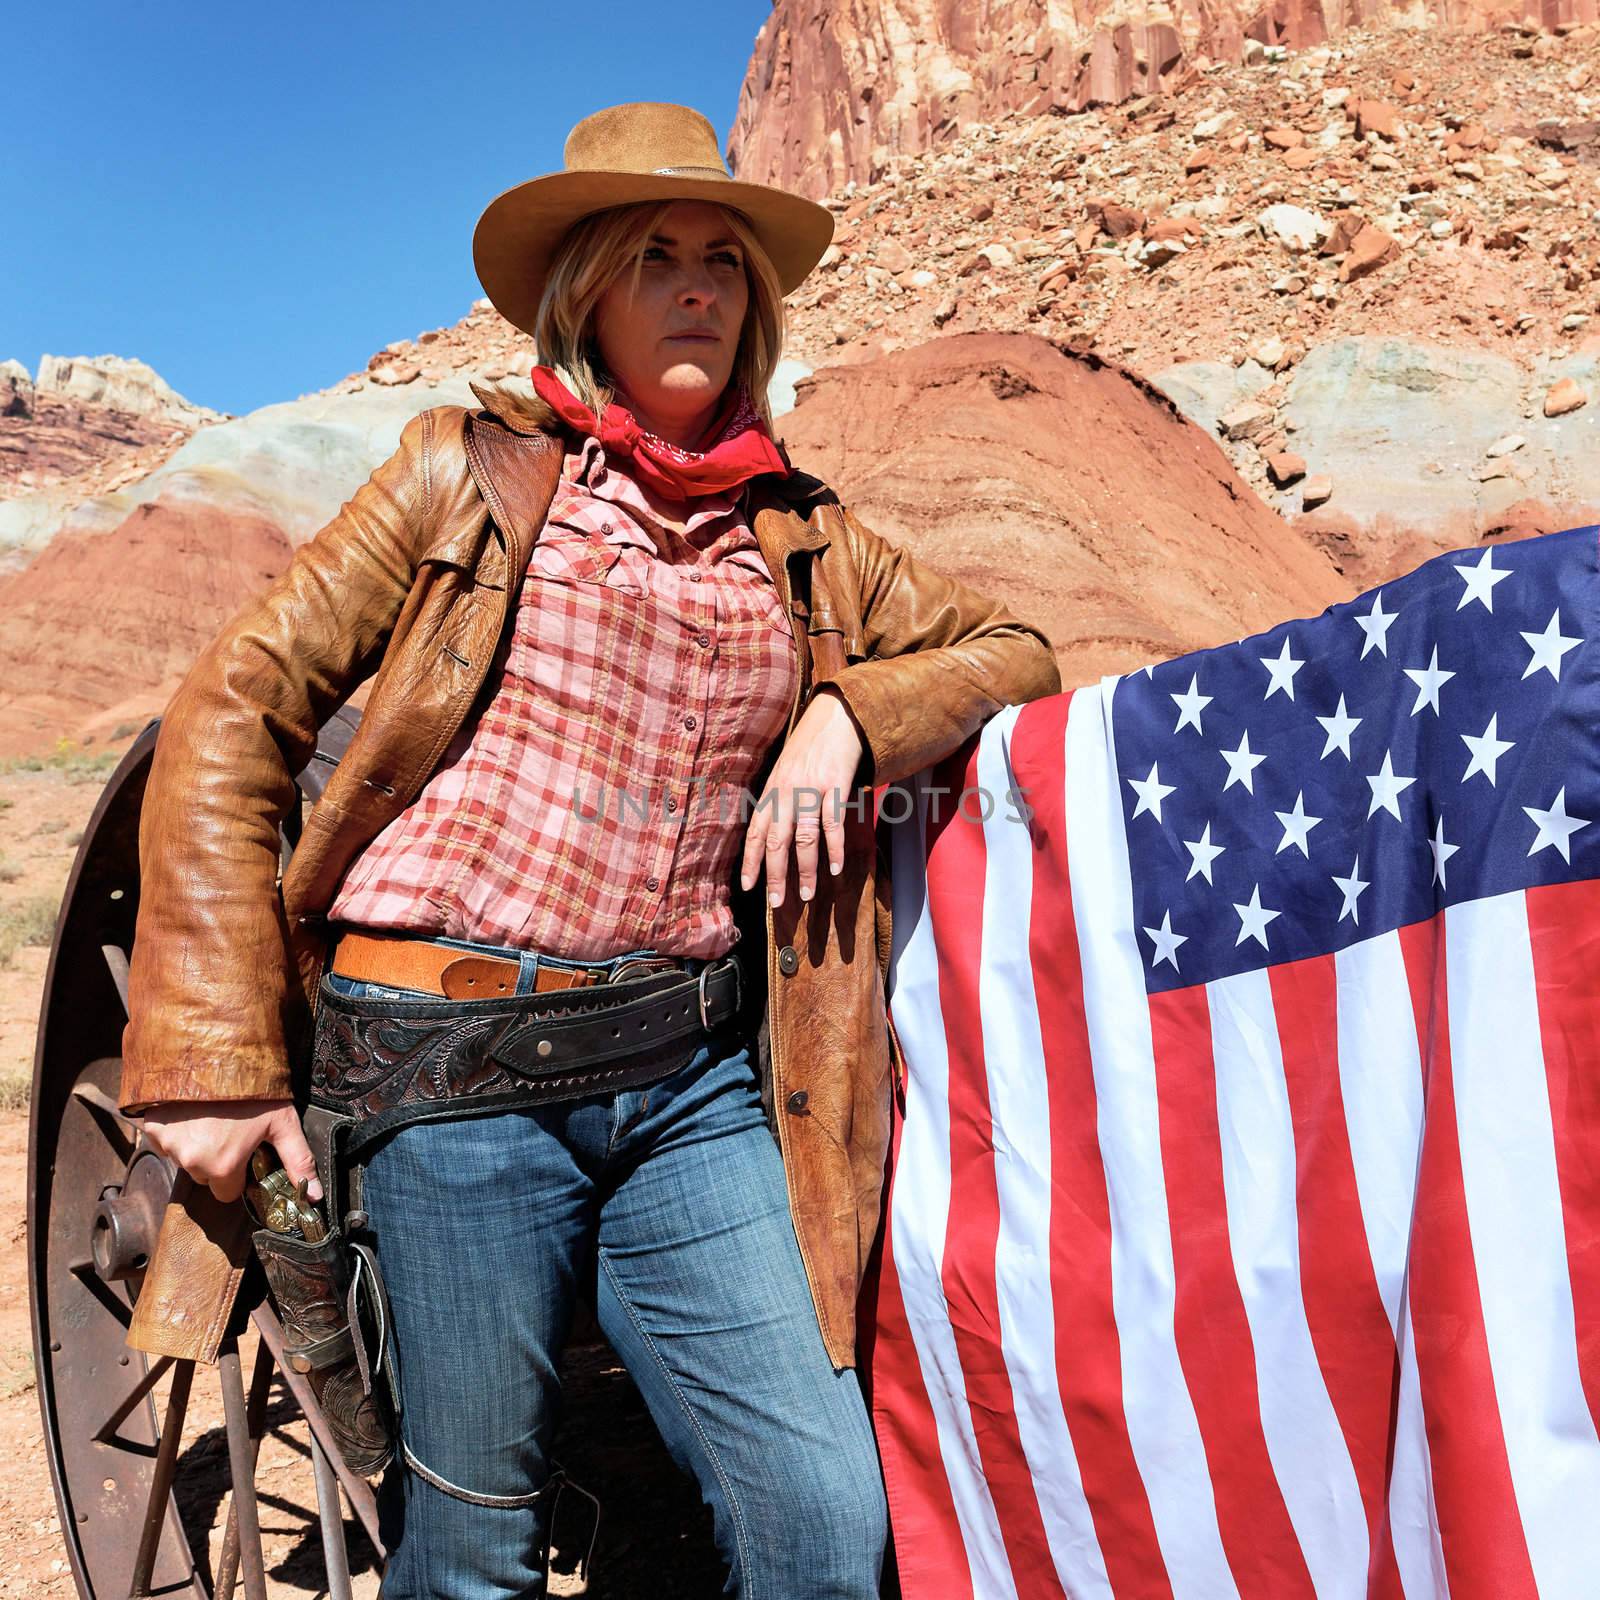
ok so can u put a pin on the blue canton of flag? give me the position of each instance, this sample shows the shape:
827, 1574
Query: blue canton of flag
1428, 743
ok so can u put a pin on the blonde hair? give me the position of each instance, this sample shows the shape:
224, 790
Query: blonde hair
595, 252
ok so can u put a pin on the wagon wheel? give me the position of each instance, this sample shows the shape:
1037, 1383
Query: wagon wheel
97, 1193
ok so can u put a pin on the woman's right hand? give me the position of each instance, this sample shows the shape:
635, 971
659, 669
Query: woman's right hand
213, 1140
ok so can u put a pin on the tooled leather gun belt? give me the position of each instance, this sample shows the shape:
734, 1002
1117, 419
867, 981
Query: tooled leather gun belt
389, 1062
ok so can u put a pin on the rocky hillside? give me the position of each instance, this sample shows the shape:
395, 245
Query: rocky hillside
84, 426
1242, 242
836, 92
1026, 470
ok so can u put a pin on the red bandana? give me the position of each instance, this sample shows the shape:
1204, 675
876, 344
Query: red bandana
741, 448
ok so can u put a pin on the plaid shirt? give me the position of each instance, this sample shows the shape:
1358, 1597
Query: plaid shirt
591, 804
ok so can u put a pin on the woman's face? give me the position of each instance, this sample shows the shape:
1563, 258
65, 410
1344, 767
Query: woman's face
672, 344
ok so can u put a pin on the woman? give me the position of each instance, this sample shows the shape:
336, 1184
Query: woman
577, 670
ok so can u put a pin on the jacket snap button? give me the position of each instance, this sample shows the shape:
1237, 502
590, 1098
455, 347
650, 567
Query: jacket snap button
797, 1102
788, 960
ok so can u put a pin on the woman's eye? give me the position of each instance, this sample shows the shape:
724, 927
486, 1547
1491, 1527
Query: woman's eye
727, 257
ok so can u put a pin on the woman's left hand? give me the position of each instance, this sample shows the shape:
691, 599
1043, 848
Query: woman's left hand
804, 797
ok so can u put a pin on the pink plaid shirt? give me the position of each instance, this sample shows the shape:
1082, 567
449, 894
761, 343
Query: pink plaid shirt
591, 803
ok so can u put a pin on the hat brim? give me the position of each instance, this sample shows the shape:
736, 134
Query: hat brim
517, 236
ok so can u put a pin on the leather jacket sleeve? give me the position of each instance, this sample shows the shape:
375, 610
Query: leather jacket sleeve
941, 658
209, 973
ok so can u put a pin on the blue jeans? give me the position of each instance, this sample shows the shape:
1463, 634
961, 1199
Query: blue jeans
670, 1200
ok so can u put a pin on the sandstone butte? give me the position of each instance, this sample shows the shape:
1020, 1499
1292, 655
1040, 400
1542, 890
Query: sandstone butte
834, 92
1027, 470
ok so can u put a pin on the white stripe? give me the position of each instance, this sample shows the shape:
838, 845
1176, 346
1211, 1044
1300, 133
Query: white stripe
1514, 1214
1310, 1458
1162, 1426
1019, 1107
920, 1202
1380, 1078
1413, 1511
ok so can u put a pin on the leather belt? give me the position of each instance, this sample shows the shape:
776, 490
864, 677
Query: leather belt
403, 961
388, 1062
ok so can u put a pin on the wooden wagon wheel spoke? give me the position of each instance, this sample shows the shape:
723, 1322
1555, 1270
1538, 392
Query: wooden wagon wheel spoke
117, 963
88, 1275
106, 1433
155, 1510
119, 1129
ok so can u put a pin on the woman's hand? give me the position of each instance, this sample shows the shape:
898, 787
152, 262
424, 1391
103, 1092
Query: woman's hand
804, 798
213, 1140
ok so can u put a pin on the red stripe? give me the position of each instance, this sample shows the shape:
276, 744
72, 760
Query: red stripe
1088, 1348
928, 1550
955, 885
1485, 1551
1349, 1327
1213, 1333
1563, 920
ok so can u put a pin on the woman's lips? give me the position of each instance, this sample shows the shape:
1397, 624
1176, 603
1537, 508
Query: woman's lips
701, 338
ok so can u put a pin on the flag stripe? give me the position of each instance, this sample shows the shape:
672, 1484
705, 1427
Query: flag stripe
1563, 920
1485, 1553
1160, 1413
920, 1206
956, 871
1349, 1326
1514, 1210
1214, 1337
1380, 1083
928, 1547
1088, 1348
1019, 1102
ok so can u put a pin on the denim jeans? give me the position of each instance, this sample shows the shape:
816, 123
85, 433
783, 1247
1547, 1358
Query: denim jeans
669, 1201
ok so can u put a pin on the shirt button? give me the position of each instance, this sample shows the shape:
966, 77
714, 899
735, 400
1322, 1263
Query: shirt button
788, 960
652, 884
797, 1103
694, 577
690, 722
605, 527
702, 640
672, 805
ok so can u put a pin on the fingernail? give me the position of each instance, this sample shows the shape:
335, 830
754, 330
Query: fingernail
805, 894
774, 898
314, 1189
836, 867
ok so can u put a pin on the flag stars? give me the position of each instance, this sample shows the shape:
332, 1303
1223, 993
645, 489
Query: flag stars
1253, 919
1296, 826
1338, 728
1241, 764
1280, 672
1190, 704
1351, 889
1486, 748
1548, 648
1479, 579
1556, 826
1166, 942
1202, 853
1429, 681
1441, 852
1151, 792
1375, 625
1387, 787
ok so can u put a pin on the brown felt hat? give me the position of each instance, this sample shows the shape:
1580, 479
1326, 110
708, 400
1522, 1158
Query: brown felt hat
646, 150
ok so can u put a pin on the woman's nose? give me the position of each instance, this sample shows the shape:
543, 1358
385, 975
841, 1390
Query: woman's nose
697, 288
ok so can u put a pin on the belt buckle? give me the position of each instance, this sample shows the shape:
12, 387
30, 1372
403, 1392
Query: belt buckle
738, 990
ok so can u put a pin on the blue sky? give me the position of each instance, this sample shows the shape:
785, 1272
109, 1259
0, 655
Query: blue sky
255, 198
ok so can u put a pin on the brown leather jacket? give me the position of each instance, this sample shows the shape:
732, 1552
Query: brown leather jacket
415, 578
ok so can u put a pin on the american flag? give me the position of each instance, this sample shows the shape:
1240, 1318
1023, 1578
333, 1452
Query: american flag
1241, 1235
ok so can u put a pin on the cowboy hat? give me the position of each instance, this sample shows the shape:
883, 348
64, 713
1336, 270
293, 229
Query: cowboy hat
646, 150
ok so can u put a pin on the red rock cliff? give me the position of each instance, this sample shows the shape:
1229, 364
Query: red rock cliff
837, 88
